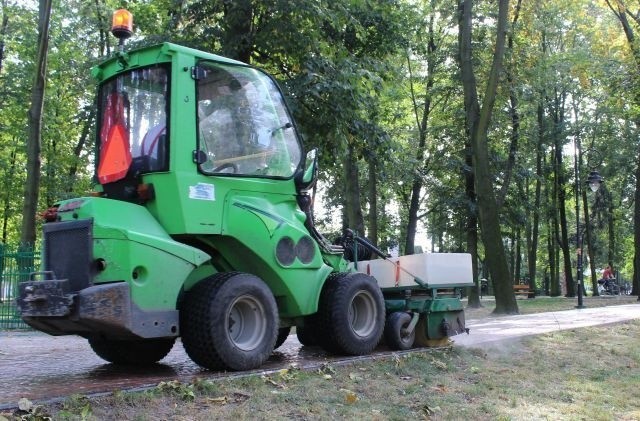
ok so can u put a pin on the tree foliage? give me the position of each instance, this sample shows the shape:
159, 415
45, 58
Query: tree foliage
377, 87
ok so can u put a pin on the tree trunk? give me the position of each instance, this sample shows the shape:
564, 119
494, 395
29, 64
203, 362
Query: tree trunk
472, 225
586, 242
28, 232
412, 218
512, 257
175, 11
3, 31
7, 198
558, 118
82, 141
554, 236
564, 244
589, 242
517, 269
636, 233
373, 200
238, 34
611, 253
478, 120
103, 33
515, 118
557, 288
355, 219
422, 123
535, 223
619, 9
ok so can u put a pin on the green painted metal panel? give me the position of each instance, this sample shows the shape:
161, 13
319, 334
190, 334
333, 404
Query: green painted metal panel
256, 224
135, 248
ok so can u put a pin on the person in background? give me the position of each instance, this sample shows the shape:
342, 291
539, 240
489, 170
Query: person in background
606, 285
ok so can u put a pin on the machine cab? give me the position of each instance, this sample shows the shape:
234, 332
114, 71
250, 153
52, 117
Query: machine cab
179, 126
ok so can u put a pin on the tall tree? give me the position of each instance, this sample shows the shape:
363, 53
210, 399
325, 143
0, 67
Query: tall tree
532, 233
4, 23
621, 11
34, 141
557, 109
471, 227
513, 111
426, 66
478, 121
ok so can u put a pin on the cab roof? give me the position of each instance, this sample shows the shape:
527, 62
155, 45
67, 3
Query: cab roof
150, 55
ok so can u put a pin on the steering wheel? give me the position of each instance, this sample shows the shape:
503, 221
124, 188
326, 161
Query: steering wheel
224, 166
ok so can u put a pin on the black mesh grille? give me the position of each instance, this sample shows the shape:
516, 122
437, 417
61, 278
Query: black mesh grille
67, 251
285, 251
305, 250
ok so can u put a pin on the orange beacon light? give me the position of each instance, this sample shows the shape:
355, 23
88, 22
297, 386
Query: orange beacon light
122, 24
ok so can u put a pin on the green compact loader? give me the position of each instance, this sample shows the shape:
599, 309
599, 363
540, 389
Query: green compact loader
202, 229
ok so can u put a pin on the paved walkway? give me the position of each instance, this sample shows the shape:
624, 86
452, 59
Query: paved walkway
486, 331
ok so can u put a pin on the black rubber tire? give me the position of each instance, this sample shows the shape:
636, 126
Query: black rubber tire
350, 314
393, 334
132, 351
229, 321
283, 334
306, 336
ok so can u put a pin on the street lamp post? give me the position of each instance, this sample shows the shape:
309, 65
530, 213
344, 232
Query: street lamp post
593, 181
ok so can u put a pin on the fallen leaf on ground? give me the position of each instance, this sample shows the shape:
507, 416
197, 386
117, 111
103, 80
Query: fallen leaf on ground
440, 388
222, 400
273, 383
349, 396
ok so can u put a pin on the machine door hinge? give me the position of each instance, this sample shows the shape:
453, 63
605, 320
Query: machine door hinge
199, 157
198, 73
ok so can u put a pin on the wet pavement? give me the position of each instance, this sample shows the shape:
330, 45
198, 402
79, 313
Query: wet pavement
42, 368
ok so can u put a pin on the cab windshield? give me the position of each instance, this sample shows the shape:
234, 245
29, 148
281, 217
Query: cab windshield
132, 132
243, 124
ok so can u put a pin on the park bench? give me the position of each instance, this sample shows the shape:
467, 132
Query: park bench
521, 290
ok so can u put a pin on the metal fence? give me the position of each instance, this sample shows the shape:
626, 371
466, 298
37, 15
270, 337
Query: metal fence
15, 266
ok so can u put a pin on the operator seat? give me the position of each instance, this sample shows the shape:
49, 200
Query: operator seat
153, 149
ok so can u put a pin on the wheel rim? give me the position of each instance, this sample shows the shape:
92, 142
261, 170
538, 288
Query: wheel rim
246, 323
362, 314
406, 338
